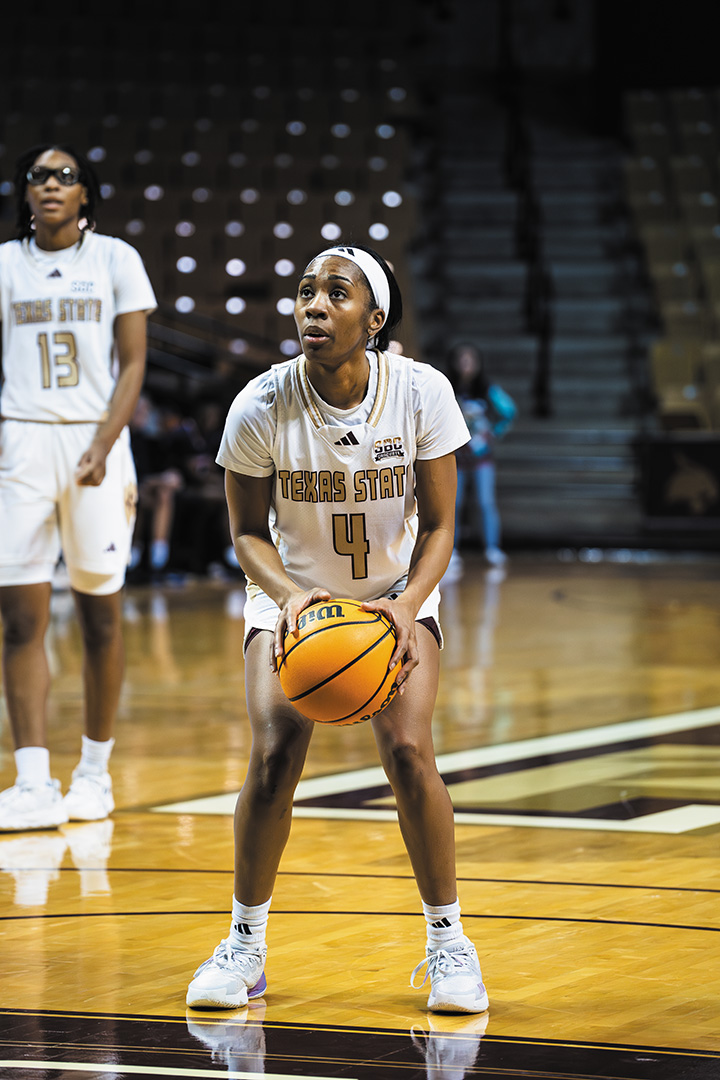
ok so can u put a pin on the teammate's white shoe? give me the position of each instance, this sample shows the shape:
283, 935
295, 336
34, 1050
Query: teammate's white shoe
227, 979
455, 979
89, 797
32, 806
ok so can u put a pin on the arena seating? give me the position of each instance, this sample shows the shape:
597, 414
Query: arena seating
672, 185
227, 176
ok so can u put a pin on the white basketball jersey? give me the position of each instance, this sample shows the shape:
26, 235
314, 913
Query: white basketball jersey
343, 512
58, 311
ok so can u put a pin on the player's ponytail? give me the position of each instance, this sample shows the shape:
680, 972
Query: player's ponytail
385, 335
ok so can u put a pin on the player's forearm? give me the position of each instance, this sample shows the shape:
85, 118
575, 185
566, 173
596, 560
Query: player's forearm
261, 563
123, 402
429, 562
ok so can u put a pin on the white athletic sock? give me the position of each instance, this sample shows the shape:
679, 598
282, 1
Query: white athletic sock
443, 925
95, 756
33, 765
247, 930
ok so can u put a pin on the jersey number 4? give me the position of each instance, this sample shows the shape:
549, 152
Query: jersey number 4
62, 355
350, 538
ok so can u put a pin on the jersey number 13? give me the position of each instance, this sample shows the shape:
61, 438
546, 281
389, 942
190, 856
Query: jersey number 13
58, 358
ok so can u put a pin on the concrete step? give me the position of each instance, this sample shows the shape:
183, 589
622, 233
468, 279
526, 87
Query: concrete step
457, 173
553, 430
603, 314
483, 242
594, 366
486, 278
515, 451
585, 346
580, 208
586, 486
480, 207
591, 277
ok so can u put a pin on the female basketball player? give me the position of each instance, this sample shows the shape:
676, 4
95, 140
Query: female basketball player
68, 298
340, 481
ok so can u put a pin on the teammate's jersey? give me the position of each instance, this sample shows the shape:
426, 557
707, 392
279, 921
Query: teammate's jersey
58, 311
343, 512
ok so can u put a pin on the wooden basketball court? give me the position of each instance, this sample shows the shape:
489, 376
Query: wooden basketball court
578, 730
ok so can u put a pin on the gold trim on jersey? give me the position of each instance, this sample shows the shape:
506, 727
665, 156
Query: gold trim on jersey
381, 394
306, 392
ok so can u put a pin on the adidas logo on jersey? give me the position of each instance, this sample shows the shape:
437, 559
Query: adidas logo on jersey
347, 440
55, 273
111, 547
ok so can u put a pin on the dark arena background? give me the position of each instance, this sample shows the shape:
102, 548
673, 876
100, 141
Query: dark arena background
544, 177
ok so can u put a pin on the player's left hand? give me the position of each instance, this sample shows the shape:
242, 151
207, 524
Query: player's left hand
403, 619
90, 469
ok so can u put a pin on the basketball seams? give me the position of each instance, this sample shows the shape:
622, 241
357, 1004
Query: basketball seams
346, 667
330, 626
360, 684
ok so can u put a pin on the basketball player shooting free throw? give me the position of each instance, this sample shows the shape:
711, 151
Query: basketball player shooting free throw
340, 482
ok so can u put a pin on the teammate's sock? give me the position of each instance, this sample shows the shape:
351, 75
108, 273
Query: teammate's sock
33, 765
95, 756
247, 930
443, 925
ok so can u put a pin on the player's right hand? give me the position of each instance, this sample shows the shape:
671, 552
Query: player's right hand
288, 619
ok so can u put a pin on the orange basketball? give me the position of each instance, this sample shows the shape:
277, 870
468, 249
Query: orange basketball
336, 670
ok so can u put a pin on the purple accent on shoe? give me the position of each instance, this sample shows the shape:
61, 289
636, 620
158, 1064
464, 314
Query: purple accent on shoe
259, 988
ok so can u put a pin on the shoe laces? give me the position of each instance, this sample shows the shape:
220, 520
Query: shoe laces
444, 963
225, 957
21, 790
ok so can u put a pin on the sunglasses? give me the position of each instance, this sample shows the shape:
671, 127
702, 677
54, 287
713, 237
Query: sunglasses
67, 175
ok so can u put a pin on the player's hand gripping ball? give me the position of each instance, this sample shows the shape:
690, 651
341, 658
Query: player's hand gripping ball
336, 670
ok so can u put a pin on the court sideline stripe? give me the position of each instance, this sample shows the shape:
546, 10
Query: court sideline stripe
154, 1070
583, 739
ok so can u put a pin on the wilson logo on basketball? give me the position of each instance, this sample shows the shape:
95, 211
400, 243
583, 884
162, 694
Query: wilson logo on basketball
334, 668
317, 614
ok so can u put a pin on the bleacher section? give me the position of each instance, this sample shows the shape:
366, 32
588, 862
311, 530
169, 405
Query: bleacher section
672, 182
230, 149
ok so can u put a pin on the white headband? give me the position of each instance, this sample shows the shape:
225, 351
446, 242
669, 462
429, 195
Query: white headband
373, 271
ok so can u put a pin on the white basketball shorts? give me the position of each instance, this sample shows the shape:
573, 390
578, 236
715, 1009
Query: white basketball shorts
44, 512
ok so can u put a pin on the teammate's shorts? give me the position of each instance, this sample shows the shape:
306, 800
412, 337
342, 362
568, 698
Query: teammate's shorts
44, 512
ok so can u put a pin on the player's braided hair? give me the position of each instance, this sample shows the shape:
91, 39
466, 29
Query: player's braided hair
385, 335
87, 177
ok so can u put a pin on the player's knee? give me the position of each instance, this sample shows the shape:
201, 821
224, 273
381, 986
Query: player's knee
277, 772
405, 764
21, 626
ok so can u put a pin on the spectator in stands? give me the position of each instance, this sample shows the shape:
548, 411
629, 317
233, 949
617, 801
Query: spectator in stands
69, 299
489, 412
168, 446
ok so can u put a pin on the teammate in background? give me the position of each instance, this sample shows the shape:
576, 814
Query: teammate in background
69, 299
340, 481
489, 412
